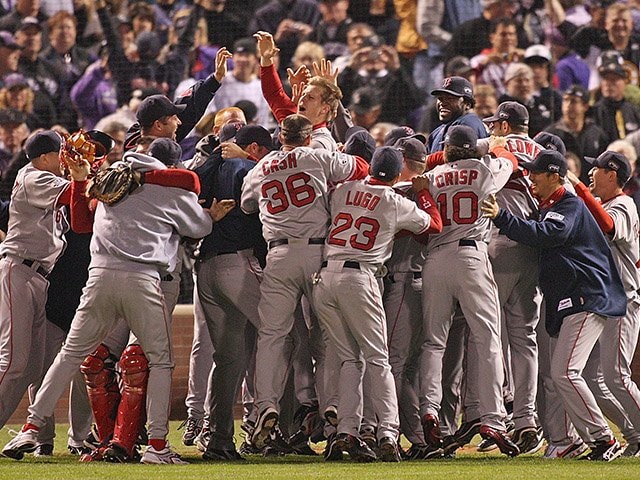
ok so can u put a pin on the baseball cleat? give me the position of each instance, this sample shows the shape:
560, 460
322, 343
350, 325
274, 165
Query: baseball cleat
503, 442
369, 437
331, 451
217, 455
449, 446
528, 439
331, 416
24, 442
266, 421
192, 427
388, 450
431, 429
43, 450
605, 451
631, 450
467, 431
114, 453
355, 447
165, 456
571, 450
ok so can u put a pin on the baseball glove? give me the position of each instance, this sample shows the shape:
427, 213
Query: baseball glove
113, 184
76, 147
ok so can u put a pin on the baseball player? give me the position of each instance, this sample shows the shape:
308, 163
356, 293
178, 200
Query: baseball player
134, 242
513, 266
228, 287
366, 216
27, 255
402, 300
458, 257
582, 289
618, 219
289, 190
319, 101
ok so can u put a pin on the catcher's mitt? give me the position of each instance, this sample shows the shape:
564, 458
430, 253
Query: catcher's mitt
78, 146
113, 184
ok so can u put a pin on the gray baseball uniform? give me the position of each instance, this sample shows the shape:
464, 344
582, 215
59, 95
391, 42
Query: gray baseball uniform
458, 257
133, 241
366, 216
33, 244
289, 189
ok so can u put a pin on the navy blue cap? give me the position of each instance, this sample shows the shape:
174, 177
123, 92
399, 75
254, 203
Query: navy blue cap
412, 148
41, 143
165, 150
397, 133
229, 131
550, 161
386, 163
457, 86
254, 134
155, 107
359, 142
550, 142
613, 161
461, 136
514, 113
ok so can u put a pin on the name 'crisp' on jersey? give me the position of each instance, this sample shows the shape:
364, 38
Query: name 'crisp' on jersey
276, 165
456, 177
362, 199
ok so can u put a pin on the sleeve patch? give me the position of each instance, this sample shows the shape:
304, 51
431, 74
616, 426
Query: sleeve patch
554, 216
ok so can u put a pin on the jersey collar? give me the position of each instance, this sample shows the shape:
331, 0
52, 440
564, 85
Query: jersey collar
555, 196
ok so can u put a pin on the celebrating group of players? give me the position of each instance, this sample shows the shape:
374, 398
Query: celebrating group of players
401, 285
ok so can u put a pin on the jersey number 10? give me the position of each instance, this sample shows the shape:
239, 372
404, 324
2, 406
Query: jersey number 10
457, 199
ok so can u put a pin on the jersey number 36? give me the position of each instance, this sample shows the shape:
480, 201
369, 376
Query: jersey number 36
295, 191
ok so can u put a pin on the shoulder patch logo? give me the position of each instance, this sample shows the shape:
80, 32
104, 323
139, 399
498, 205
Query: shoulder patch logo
564, 304
554, 216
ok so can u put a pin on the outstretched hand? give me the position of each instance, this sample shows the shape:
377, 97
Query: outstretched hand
298, 80
573, 179
219, 209
221, 63
489, 207
266, 48
325, 70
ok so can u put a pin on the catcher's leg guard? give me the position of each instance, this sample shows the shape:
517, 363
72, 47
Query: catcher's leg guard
134, 369
102, 387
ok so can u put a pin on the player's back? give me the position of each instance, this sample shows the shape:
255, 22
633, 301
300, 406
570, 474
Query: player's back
290, 188
459, 188
366, 215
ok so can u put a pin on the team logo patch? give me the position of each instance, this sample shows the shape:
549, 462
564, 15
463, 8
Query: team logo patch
554, 216
564, 304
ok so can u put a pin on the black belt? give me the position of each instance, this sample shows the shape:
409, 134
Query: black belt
285, 241
347, 264
29, 263
467, 243
167, 278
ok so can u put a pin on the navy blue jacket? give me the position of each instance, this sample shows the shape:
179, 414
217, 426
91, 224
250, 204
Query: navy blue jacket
577, 271
222, 179
436, 139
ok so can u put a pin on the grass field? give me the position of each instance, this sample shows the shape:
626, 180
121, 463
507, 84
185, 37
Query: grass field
469, 465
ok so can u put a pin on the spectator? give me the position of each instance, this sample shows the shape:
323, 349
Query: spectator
492, 62
306, 54
580, 134
520, 88
358, 34
9, 55
13, 132
331, 32
223, 26
380, 68
436, 20
380, 15
570, 68
36, 70
22, 9
126, 114
67, 62
470, 38
94, 94
290, 21
17, 95
538, 57
380, 130
486, 101
242, 83
365, 107
616, 115
142, 17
